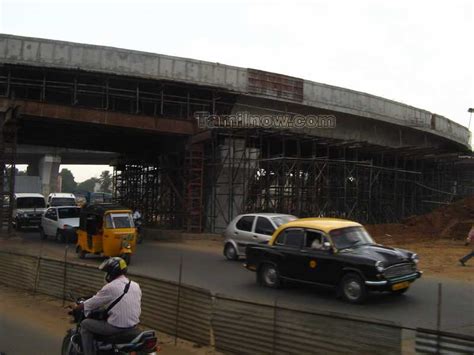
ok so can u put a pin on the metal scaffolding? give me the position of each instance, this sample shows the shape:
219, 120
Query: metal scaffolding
8, 141
154, 188
112, 93
268, 171
238, 171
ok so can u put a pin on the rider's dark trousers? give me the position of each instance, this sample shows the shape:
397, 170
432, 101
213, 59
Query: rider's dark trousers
468, 256
89, 327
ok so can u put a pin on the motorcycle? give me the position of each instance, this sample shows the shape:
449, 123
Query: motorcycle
130, 341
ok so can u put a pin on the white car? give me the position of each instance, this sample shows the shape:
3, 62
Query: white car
61, 223
27, 209
61, 199
251, 228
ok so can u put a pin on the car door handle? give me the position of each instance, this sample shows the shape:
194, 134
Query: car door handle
255, 236
236, 232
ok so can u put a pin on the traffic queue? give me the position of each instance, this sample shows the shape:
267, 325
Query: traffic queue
100, 228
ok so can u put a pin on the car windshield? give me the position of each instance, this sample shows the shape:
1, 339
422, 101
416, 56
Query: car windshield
350, 237
30, 202
71, 212
279, 220
63, 201
119, 220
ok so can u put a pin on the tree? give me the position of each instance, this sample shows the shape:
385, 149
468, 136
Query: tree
68, 182
88, 185
105, 181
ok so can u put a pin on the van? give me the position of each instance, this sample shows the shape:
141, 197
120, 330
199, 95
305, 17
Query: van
61, 199
28, 209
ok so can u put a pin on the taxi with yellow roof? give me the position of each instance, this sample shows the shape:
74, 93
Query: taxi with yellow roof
332, 252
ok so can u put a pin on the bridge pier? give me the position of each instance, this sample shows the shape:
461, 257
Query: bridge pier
49, 172
47, 168
228, 193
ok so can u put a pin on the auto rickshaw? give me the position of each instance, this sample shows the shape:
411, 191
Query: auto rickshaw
106, 229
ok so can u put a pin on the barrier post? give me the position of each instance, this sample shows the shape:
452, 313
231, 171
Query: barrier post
65, 274
178, 301
438, 317
274, 325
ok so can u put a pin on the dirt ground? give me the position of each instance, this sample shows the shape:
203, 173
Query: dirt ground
438, 258
49, 315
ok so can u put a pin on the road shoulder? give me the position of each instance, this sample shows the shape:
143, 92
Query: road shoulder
46, 315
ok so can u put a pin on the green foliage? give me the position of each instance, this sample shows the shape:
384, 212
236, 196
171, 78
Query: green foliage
68, 182
105, 181
88, 185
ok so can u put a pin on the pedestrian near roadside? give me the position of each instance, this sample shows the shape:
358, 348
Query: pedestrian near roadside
469, 240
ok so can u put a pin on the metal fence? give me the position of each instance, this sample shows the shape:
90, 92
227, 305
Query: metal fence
432, 342
229, 324
18, 270
180, 310
253, 328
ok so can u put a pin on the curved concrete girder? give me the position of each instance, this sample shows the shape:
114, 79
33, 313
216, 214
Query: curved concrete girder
350, 127
67, 55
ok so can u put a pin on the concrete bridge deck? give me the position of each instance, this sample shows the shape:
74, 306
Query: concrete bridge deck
255, 90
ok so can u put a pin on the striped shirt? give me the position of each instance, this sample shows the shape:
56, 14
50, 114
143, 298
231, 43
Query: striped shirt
126, 313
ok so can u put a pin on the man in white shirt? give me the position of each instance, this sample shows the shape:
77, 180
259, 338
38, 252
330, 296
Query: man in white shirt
123, 315
136, 214
469, 240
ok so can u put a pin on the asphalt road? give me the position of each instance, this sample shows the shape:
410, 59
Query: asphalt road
18, 337
210, 270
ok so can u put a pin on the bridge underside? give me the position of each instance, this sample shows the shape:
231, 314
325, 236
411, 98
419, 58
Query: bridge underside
232, 172
182, 177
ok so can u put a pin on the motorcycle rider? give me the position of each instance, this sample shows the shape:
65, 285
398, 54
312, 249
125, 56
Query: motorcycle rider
123, 315
137, 216
137, 220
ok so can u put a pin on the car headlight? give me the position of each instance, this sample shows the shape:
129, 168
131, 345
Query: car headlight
415, 258
379, 266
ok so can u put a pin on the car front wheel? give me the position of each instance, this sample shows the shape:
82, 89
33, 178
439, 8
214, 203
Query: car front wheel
59, 237
353, 288
268, 276
230, 253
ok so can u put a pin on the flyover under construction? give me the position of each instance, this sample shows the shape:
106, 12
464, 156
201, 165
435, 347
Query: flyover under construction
382, 161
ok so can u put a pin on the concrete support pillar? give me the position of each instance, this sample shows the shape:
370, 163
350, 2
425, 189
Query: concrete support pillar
49, 173
228, 195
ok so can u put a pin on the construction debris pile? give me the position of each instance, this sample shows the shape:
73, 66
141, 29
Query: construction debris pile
451, 221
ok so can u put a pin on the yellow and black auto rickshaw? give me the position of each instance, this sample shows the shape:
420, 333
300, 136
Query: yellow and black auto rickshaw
106, 229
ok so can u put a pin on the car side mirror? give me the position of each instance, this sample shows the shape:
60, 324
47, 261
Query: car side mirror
326, 246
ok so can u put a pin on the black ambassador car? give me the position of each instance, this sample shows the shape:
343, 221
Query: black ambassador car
332, 252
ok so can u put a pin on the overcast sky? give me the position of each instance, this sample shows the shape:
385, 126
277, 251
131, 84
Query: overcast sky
417, 52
